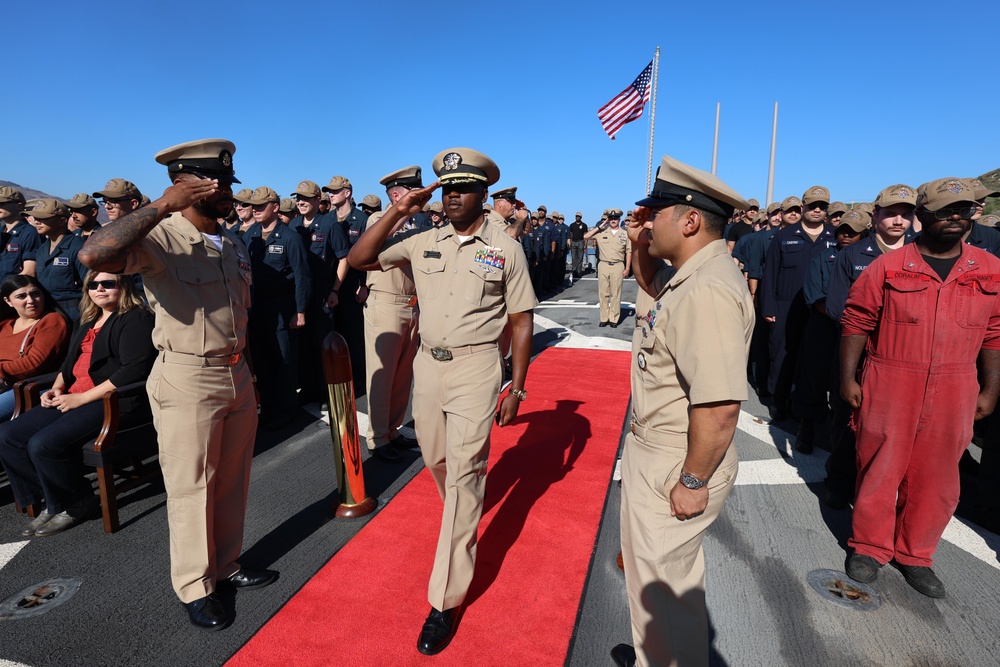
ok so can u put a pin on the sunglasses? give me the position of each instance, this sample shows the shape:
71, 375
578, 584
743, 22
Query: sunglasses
106, 284
964, 212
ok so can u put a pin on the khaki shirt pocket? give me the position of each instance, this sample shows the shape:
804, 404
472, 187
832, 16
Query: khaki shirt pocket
429, 277
483, 284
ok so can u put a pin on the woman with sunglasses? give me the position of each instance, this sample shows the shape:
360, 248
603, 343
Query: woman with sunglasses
33, 336
42, 449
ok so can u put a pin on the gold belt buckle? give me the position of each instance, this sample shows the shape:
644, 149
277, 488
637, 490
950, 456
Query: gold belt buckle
441, 354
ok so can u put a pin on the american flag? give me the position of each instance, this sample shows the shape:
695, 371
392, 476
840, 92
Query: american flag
626, 105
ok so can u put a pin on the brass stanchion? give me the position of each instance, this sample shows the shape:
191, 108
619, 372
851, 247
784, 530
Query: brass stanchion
352, 501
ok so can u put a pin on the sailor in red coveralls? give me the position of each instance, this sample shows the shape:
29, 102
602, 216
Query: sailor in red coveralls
925, 312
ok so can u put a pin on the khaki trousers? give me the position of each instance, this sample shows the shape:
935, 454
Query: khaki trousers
454, 403
609, 290
391, 343
663, 557
206, 421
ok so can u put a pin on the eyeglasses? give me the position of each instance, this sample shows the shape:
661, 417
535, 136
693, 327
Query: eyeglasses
106, 284
240, 204
964, 212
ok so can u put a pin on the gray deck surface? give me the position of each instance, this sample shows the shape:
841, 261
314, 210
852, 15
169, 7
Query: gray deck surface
774, 530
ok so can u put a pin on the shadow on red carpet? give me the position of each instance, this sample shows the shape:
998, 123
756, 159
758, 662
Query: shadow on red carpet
548, 477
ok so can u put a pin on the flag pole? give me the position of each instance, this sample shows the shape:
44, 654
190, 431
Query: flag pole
715, 144
652, 119
770, 169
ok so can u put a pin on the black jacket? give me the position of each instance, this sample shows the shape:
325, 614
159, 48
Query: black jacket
123, 353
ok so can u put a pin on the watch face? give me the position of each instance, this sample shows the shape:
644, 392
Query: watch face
692, 482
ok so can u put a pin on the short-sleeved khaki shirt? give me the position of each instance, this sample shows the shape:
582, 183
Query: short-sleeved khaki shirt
497, 220
614, 246
391, 281
199, 295
465, 289
693, 342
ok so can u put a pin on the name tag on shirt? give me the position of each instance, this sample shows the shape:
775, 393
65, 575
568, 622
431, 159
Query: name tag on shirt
13, 247
792, 242
60, 261
276, 249
319, 238
434, 254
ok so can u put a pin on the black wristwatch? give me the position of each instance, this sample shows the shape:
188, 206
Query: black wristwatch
692, 482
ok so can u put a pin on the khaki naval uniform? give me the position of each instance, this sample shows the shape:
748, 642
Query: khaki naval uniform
497, 220
613, 247
201, 394
391, 340
690, 347
466, 290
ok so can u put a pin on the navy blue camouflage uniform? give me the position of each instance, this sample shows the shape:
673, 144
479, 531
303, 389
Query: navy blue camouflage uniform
788, 257
61, 273
282, 287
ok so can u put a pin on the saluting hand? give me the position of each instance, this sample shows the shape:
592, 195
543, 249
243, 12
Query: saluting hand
184, 193
635, 228
414, 200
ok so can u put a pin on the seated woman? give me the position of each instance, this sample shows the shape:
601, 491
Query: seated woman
33, 336
42, 450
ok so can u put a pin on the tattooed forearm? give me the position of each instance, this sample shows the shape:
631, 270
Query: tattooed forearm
107, 248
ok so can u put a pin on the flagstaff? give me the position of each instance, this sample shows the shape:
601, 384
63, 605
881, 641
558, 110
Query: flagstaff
715, 143
770, 169
652, 119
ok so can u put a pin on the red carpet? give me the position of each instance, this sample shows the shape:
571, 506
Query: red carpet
549, 473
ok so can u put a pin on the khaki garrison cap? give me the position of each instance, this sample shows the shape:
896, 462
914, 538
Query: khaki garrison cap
773, 206
753, 203
859, 221
943, 192
243, 196
408, 177
307, 189
464, 165
982, 190
8, 194
206, 158
510, 194
816, 193
338, 183
990, 220
679, 183
81, 200
372, 201
896, 194
288, 205
263, 195
790, 202
119, 188
837, 207
436, 207
43, 209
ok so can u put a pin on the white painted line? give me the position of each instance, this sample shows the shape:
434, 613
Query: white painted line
809, 469
11, 663
8, 551
569, 338
617, 477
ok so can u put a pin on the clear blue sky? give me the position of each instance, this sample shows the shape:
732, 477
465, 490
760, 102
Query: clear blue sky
870, 93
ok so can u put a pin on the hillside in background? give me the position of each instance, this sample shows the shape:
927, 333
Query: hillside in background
30, 193
992, 180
